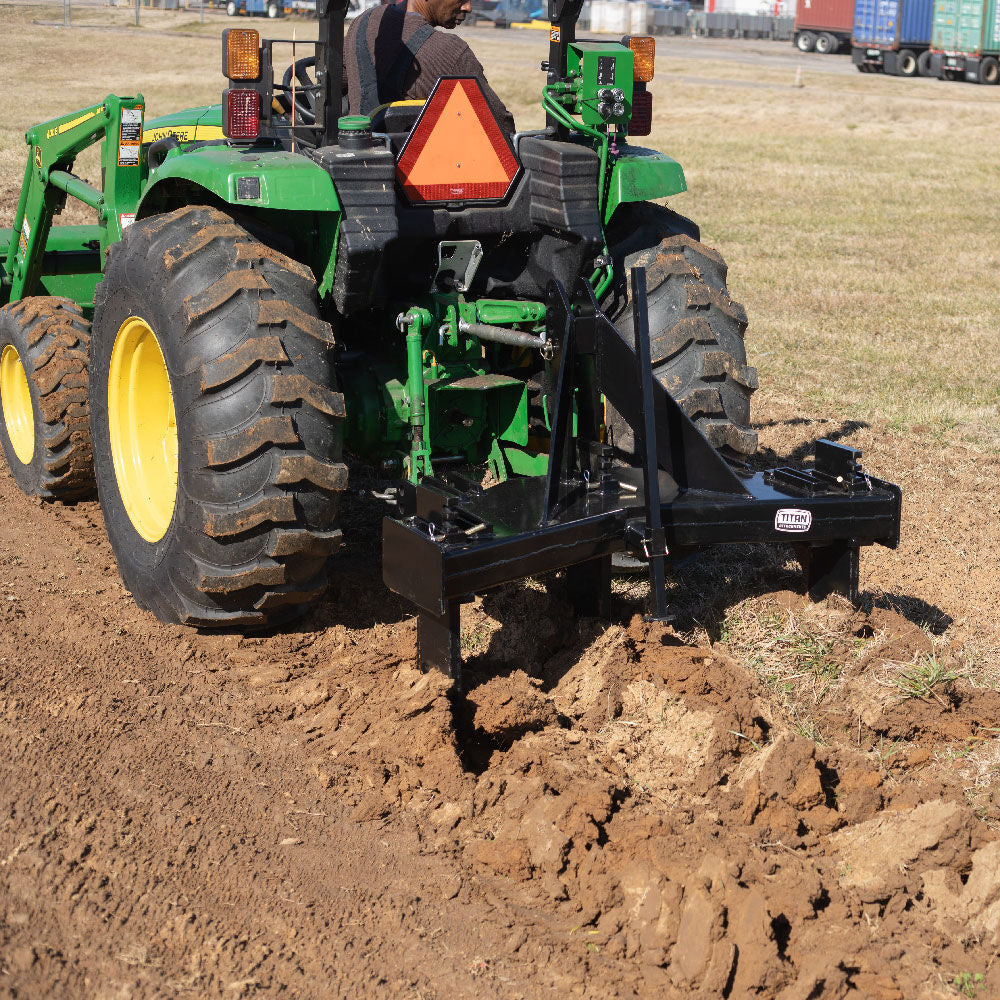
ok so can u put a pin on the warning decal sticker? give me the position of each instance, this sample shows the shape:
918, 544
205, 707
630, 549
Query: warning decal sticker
25, 236
130, 137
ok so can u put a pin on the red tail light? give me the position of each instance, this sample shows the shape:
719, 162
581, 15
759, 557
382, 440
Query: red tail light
241, 118
641, 122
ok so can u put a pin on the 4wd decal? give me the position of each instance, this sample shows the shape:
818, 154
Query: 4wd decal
793, 519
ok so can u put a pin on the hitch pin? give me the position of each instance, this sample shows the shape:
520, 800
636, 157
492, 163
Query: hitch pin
628, 487
475, 529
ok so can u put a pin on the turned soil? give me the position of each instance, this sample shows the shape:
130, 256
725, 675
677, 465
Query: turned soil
608, 811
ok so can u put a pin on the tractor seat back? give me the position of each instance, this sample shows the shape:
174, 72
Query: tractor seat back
396, 120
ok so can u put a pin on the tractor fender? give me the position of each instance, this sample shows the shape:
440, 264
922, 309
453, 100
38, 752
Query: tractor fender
641, 174
246, 178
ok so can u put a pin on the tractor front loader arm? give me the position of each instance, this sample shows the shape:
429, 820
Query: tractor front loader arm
48, 178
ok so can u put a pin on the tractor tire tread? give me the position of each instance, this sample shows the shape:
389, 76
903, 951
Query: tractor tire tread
57, 341
259, 552
696, 343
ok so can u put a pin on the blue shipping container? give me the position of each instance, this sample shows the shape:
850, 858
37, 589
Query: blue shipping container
893, 24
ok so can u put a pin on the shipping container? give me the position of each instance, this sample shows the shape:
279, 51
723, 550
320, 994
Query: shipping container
893, 36
823, 25
965, 40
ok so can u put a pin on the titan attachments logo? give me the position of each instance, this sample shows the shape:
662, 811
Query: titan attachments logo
793, 519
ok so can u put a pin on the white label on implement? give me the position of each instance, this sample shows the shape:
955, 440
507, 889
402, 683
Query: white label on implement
125, 219
130, 137
792, 519
25, 236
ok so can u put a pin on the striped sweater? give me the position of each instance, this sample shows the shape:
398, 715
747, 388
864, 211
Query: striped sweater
443, 54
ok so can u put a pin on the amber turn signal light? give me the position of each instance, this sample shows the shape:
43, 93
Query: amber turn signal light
643, 55
241, 53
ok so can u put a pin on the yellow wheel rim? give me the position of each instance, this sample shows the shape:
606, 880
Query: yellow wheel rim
18, 414
143, 429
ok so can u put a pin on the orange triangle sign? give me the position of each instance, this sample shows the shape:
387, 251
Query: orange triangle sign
456, 151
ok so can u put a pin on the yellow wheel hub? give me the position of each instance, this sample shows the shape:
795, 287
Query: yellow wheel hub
143, 429
18, 414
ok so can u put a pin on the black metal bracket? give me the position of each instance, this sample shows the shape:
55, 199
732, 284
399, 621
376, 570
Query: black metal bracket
454, 539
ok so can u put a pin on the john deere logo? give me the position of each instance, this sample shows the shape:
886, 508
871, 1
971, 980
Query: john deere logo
38, 156
792, 519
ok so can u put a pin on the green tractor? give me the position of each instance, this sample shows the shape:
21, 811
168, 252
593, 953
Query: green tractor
272, 287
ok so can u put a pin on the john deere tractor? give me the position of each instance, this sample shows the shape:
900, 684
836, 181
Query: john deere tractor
542, 365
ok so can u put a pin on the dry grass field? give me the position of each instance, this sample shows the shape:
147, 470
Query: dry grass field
771, 799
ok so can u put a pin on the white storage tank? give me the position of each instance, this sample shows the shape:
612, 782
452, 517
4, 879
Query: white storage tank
619, 17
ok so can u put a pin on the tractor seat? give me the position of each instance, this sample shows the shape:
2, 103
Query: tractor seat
396, 120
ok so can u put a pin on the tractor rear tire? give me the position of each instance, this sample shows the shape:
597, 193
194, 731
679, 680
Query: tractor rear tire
696, 337
216, 425
45, 431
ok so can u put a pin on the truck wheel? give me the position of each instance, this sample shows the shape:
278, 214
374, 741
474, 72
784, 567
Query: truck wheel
906, 63
989, 71
924, 63
826, 43
43, 394
217, 429
273, 10
805, 41
696, 337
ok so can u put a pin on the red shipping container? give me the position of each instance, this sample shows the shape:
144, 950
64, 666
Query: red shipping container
828, 20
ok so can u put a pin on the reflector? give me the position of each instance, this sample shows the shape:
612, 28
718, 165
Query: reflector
242, 118
641, 122
643, 56
456, 150
241, 53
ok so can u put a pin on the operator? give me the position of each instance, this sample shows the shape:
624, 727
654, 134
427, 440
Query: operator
405, 55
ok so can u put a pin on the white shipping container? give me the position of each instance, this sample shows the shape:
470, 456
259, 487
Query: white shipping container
743, 7
619, 17
770, 8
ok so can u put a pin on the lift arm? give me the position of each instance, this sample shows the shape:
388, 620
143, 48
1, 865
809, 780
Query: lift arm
52, 150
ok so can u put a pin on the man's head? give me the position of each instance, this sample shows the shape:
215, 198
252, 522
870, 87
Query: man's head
441, 13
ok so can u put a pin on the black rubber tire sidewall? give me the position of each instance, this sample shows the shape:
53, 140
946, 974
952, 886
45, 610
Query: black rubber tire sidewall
28, 476
140, 562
